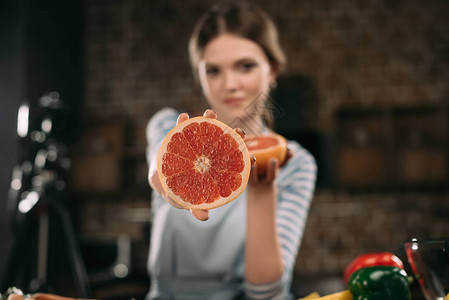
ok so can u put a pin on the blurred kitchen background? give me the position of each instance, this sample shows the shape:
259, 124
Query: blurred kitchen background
366, 90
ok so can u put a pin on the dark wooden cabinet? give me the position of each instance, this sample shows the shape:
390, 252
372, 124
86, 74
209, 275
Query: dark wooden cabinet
421, 146
395, 147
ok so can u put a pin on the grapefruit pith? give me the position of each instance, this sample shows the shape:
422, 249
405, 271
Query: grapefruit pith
203, 164
265, 148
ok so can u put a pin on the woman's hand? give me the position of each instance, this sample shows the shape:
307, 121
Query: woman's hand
155, 183
272, 171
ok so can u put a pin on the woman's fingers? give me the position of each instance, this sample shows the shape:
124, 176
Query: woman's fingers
253, 176
182, 117
200, 214
287, 157
253, 159
210, 113
266, 178
272, 170
155, 183
241, 132
172, 202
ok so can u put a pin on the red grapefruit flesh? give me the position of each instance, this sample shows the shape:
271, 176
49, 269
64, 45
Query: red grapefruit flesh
203, 163
265, 148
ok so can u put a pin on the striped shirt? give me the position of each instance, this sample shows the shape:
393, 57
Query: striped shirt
190, 259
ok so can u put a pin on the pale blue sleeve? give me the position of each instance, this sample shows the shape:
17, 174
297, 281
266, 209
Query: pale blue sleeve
157, 128
296, 188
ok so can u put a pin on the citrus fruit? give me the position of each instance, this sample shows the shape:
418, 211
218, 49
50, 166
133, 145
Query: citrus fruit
203, 163
266, 147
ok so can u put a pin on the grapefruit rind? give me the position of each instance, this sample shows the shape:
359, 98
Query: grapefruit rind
221, 200
263, 155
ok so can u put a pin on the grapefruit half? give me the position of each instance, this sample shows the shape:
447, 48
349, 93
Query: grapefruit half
265, 148
203, 164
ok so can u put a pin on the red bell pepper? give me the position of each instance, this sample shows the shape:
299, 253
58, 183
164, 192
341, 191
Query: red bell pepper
371, 260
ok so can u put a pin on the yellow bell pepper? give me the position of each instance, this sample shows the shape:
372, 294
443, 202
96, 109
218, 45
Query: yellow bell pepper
314, 295
344, 295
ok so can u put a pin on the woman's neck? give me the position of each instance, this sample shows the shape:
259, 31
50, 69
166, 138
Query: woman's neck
251, 124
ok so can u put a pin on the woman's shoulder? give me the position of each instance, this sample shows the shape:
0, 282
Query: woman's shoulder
165, 117
300, 153
301, 162
163, 114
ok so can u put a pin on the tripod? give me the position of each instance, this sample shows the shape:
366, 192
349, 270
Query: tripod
40, 206
37, 202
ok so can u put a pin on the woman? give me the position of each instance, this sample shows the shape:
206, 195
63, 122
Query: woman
247, 248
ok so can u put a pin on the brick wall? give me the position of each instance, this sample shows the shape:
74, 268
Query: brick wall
342, 226
357, 54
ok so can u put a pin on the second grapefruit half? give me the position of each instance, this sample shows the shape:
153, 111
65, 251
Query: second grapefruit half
203, 163
265, 148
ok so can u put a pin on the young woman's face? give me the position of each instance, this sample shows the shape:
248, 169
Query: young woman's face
235, 75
